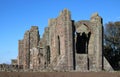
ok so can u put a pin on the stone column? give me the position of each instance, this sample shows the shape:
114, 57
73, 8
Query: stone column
26, 50
99, 47
69, 38
97, 20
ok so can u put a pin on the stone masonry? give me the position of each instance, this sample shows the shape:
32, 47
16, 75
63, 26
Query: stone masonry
65, 45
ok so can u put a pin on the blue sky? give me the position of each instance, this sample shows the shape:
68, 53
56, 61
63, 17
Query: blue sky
17, 16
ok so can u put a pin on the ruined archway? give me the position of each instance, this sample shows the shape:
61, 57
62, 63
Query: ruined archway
83, 34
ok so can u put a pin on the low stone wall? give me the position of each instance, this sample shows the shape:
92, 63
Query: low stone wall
81, 64
107, 66
19, 68
7, 67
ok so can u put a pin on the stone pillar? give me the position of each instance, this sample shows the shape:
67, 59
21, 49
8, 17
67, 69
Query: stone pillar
20, 52
69, 38
26, 50
34, 37
97, 20
99, 47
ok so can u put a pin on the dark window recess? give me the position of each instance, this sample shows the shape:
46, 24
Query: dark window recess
58, 45
82, 42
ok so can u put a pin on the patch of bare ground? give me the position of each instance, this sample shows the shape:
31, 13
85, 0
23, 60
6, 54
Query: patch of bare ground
59, 74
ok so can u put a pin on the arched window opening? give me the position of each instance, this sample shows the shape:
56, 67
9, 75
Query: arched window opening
48, 54
58, 45
82, 42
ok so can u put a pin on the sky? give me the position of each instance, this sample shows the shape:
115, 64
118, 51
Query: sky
17, 16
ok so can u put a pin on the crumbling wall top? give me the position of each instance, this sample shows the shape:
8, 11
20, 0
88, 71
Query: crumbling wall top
95, 14
34, 28
65, 14
20, 41
96, 18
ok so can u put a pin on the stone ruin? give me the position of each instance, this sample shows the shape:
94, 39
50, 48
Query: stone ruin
65, 45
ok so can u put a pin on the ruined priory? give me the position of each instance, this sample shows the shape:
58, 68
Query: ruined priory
65, 45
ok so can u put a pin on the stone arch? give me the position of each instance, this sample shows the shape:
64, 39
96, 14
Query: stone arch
83, 35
